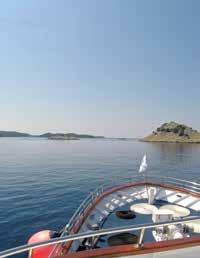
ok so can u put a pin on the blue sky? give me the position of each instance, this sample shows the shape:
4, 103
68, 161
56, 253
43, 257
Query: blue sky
114, 68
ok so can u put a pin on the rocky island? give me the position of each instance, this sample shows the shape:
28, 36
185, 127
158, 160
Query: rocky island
174, 132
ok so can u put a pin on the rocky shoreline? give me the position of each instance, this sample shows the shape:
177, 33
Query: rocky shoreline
173, 132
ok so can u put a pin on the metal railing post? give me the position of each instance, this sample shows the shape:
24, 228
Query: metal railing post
30, 253
141, 236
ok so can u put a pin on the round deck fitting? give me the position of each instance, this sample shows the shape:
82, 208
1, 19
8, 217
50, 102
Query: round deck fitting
143, 208
177, 211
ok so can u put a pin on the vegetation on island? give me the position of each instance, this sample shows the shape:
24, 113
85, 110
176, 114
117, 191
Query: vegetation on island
174, 132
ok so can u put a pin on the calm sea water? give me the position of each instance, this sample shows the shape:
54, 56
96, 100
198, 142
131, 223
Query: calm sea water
42, 182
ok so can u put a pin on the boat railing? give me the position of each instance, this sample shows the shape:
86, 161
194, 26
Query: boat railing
141, 228
86, 202
181, 183
186, 184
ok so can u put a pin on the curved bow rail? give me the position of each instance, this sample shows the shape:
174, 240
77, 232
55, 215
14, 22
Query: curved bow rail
152, 179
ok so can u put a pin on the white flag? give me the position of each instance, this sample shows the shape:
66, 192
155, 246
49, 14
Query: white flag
143, 165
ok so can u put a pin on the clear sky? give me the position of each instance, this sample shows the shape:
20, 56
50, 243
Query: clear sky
106, 67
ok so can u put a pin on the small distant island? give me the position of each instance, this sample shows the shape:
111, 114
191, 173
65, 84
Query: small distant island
63, 137
174, 132
69, 136
51, 136
13, 134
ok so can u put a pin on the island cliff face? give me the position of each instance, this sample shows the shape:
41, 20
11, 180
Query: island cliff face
174, 132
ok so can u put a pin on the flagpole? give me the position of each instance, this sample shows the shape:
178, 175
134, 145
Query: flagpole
146, 185
142, 169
